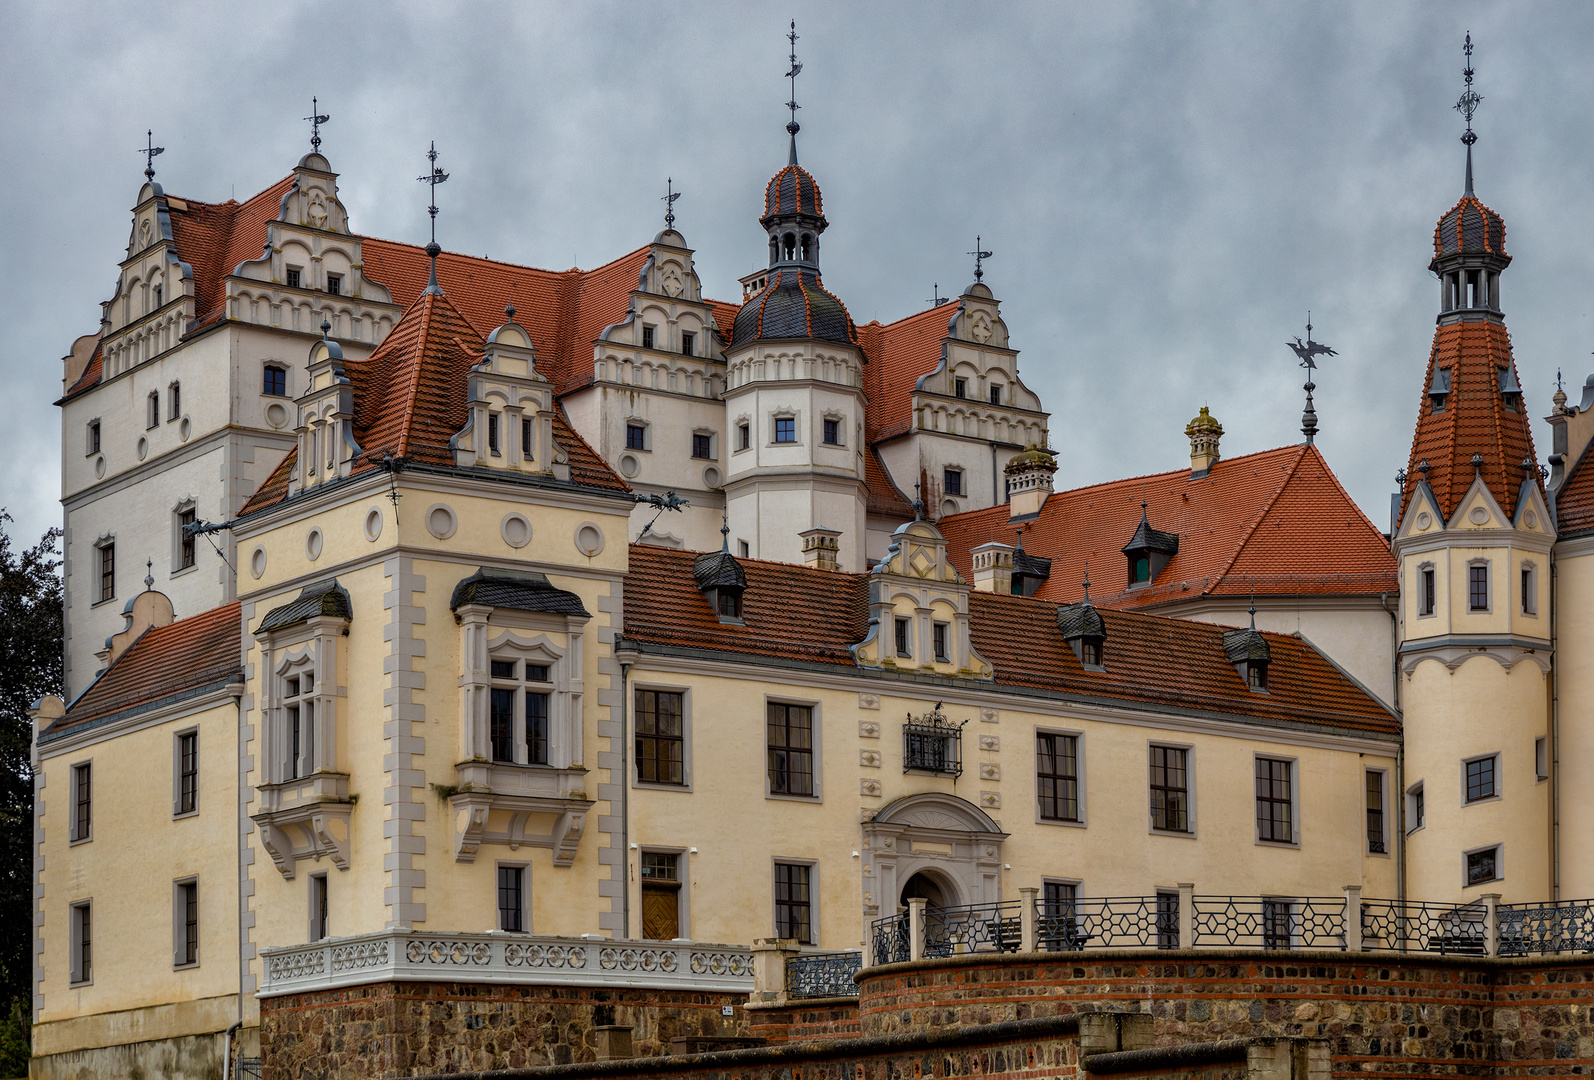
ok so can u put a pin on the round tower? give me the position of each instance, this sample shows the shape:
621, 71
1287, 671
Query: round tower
1473, 543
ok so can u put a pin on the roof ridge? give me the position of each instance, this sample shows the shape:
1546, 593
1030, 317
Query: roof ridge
1245, 537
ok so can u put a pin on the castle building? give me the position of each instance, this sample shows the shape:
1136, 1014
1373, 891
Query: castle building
462, 689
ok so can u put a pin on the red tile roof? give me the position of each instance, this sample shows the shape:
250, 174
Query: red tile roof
884, 495
165, 661
1574, 503
795, 613
1474, 420
900, 353
1276, 523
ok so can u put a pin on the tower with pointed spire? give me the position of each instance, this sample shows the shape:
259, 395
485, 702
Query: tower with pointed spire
1472, 538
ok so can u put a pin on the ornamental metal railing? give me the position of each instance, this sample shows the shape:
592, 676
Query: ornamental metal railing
976, 928
1421, 926
1565, 926
409, 955
1109, 922
932, 743
890, 939
816, 975
1269, 922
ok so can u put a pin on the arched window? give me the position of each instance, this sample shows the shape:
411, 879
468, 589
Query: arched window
808, 243
789, 241
174, 401
159, 294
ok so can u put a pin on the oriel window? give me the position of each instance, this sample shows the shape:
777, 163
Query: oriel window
519, 712
299, 712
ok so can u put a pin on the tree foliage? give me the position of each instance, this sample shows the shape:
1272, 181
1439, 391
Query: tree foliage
30, 667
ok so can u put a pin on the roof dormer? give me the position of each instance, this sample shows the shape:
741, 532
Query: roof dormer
1084, 631
1248, 651
722, 581
919, 610
327, 450
509, 406
1148, 551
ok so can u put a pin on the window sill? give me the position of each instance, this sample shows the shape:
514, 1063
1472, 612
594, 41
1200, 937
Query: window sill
184, 571
80, 840
185, 967
80, 985
1154, 831
1065, 823
1290, 845
101, 603
1479, 802
658, 785
186, 814
781, 796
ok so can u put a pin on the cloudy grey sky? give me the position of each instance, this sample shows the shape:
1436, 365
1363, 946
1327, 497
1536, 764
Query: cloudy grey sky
1168, 187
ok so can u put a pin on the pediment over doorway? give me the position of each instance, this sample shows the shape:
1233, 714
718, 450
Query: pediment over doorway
948, 840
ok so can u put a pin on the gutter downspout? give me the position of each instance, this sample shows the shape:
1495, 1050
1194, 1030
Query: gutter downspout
226, 1053
1398, 795
243, 871
625, 801
1555, 740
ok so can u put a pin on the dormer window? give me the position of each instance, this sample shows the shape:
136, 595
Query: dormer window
1250, 654
1256, 675
1084, 631
1148, 551
1090, 652
335, 284
1029, 571
1510, 389
1440, 391
688, 344
722, 581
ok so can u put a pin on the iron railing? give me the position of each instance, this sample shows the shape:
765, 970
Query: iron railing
1269, 922
932, 743
1109, 922
1551, 927
246, 1069
1419, 926
976, 928
815, 975
890, 938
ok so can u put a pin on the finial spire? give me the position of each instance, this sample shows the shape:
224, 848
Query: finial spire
316, 118
980, 255
435, 177
1466, 105
1307, 352
792, 127
1087, 581
668, 198
149, 574
725, 532
150, 152
1253, 610
936, 299
918, 503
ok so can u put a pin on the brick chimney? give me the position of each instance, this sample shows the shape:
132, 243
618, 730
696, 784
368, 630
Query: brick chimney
1029, 481
993, 567
821, 548
1204, 433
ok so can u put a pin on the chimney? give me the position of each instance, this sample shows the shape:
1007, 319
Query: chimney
821, 548
993, 567
1204, 433
1029, 481
146, 610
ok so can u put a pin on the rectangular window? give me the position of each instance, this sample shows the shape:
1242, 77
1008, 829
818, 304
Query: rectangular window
647, 337
791, 749
1274, 814
152, 410
293, 277
1530, 600
1541, 757
1416, 808
702, 445
188, 772
1057, 776
299, 709
938, 637
1278, 924
1375, 813
660, 737
94, 437
185, 919
512, 898
742, 549
1429, 593
903, 643
996, 395
82, 801
107, 571
953, 481
335, 284
492, 433
1480, 778
318, 907
1058, 927
1170, 792
636, 437
174, 402
1483, 866
502, 722
536, 724
528, 445
785, 429
832, 431
793, 903
1478, 586
515, 712
744, 436
1167, 920
688, 344
82, 931
185, 539
960, 388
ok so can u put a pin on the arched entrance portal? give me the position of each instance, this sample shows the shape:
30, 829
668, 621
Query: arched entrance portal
937, 846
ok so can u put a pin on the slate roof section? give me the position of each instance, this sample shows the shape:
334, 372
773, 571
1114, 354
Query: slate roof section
520, 590
1469, 227
1276, 523
718, 570
316, 599
1080, 620
184, 658
1244, 644
794, 306
796, 614
1474, 420
793, 190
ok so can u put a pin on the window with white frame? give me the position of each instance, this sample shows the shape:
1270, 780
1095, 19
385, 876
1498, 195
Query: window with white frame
512, 910
152, 410
186, 541
660, 736
1530, 589
1416, 808
1478, 585
1427, 590
519, 712
785, 429
298, 711
82, 802
1483, 865
185, 773
174, 401
1275, 800
1480, 778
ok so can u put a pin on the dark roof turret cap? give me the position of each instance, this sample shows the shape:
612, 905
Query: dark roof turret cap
1080, 620
1246, 645
794, 306
520, 590
1469, 228
1148, 539
793, 190
718, 570
316, 599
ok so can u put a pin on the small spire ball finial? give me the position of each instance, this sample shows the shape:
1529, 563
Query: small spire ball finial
980, 255
316, 118
326, 327
509, 312
1467, 105
433, 250
149, 574
150, 152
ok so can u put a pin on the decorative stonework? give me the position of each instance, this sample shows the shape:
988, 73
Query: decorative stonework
990, 742
990, 770
868, 729
869, 759
868, 701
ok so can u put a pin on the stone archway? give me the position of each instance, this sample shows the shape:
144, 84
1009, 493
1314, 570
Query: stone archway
952, 845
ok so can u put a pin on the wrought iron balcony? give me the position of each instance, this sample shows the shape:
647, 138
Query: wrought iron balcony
816, 975
932, 743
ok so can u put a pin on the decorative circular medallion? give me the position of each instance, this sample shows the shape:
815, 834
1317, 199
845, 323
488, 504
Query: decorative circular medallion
185, 429
1424, 520
1530, 519
711, 478
516, 530
1478, 515
143, 447
629, 465
312, 545
589, 539
373, 524
257, 562
440, 521
99, 467
276, 415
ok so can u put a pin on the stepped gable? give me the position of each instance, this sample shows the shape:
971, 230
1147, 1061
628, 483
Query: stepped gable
800, 614
182, 658
900, 354
1474, 420
1275, 522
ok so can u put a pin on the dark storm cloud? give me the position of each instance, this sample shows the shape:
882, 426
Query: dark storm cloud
1167, 187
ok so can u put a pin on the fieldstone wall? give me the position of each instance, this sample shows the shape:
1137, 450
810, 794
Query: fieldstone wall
404, 1029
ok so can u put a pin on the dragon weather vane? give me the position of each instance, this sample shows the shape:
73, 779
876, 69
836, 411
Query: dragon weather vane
435, 177
316, 118
1307, 352
1466, 105
668, 198
150, 152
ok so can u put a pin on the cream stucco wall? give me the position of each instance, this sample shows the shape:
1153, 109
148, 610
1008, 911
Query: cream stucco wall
1574, 691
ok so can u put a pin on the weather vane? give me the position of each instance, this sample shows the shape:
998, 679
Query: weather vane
316, 118
980, 255
435, 177
935, 295
1307, 352
669, 197
796, 69
150, 152
1466, 105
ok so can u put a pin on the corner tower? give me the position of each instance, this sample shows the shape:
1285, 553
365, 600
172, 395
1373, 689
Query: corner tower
1472, 540
794, 399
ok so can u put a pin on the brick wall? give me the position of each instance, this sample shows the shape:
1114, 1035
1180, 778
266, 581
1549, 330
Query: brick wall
813, 1020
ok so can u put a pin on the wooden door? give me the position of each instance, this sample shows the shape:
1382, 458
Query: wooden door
661, 913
